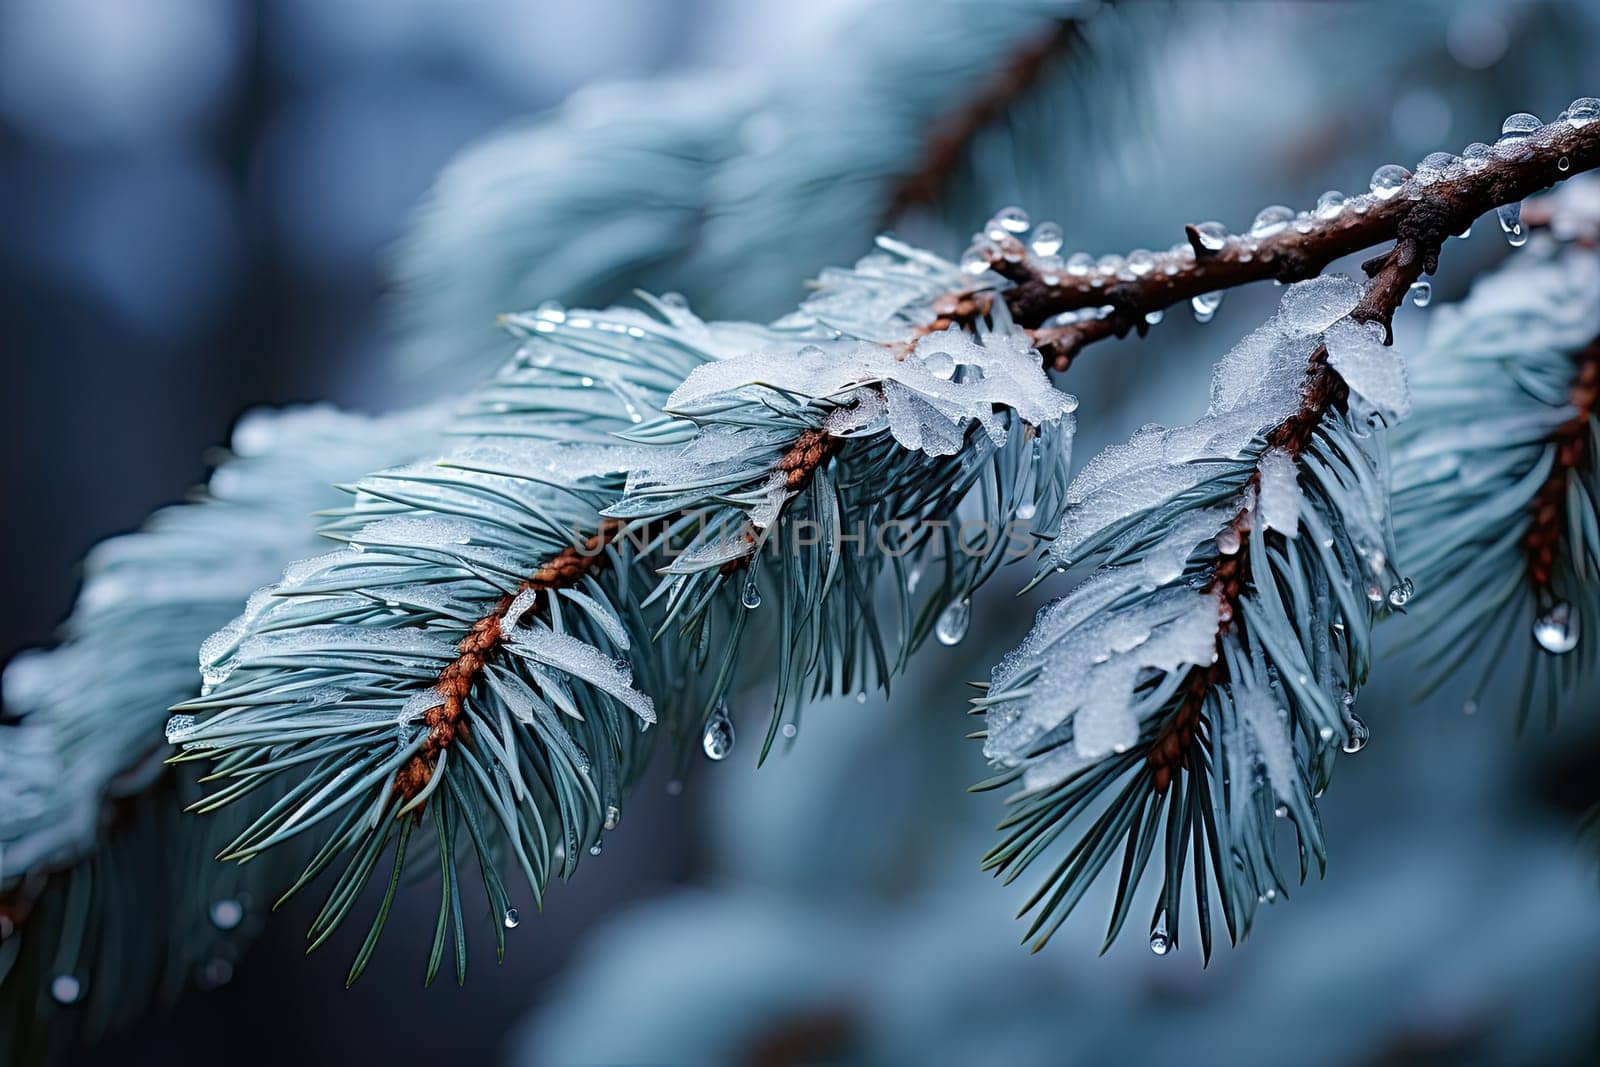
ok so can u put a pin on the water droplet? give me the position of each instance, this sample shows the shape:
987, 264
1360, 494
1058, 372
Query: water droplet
1400, 595
1387, 180
1374, 594
1270, 895
1281, 811
953, 622
1271, 220
595, 849
1049, 268
1510, 216
1154, 317
1141, 262
861, 697
751, 597
975, 260
914, 577
1228, 542
1012, 219
1470, 707
1205, 305
1326, 733
675, 788
1583, 110
215, 974
1160, 943
1047, 239
1079, 264
717, 741
1556, 629
1213, 236
66, 989
1435, 164
1563, 164
790, 729
1304, 223
586, 381
1421, 293
1029, 509
612, 815
1476, 154
1330, 204
1517, 127
226, 914
512, 918
1359, 735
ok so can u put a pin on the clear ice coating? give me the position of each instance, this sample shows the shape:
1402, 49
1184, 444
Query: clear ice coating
1359, 735
1205, 305
1271, 220
1510, 216
226, 914
953, 622
180, 728
1370, 368
717, 740
1213, 236
1387, 180
1583, 111
1278, 499
1330, 204
1556, 628
1047, 239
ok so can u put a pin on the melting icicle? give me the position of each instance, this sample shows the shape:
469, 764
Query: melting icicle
1421, 293
1047, 239
66, 989
226, 914
1213, 236
1387, 180
1205, 305
1330, 204
953, 622
717, 741
1271, 220
1400, 595
751, 597
1359, 734
1583, 110
512, 918
1510, 216
1556, 629
1160, 942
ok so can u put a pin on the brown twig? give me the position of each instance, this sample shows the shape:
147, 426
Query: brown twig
950, 135
444, 719
1571, 438
1421, 213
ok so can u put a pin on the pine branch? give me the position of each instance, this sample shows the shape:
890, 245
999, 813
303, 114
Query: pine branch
1416, 211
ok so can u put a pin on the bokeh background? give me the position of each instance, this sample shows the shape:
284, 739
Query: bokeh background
199, 202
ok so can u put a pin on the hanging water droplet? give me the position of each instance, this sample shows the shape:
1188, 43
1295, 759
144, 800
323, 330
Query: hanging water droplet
1047, 239
1012, 219
717, 741
1326, 733
66, 989
1359, 734
1213, 236
1154, 317
1421, 293
612, 815
914, 577
861, 697
1583, 110
1387, 180
1270, 895
953, 622
1281, 811
512, 918
1029, 509
226, 914
595, 849
1556, 629
1469, 708
1517, 127
1205, 305
1400, 595
1228, 542
790, 729
1160, 943
1510, 216
1271, 220
751, 597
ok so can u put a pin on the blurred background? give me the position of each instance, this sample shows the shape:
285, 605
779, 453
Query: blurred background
202, 202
